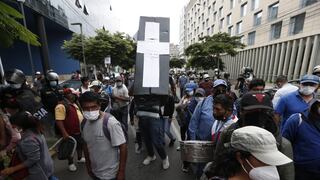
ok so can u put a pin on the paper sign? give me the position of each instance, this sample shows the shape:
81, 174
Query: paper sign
151, 72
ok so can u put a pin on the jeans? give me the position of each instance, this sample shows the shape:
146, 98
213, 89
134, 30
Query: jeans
121, 115
167, 127
152, 130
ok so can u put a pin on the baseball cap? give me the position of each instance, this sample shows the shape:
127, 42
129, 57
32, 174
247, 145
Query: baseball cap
260, 143
200, 91
206, 76
38, 73
95, 83
256, 100
219, 82
310, 79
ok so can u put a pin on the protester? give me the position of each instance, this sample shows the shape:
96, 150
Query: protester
68, 118
183, 80
252, 154
304, 134
107, 87
284, 89
37, 82
206, 84
297, 101
316, 70
202, 119
104, 141
96, 86
256, 110
84, 85
152, 127
120, 96
167, 118
32, 149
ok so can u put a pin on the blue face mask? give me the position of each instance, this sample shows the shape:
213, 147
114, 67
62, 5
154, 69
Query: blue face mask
53, 83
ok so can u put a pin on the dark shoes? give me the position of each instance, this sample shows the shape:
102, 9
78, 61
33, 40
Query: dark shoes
171, 144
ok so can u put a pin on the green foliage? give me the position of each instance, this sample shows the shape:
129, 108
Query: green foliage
11, 29
206, 53
177, 63
118, 46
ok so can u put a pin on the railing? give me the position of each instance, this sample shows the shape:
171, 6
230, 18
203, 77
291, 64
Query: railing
45, 8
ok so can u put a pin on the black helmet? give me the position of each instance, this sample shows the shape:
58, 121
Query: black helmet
226, 75
52, 76
15, 76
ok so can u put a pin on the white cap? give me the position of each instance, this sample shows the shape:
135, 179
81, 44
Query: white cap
95, 83
206, 76
38, 73
260, 143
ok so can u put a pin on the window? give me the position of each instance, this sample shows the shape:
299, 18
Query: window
230, 30
242, 39
214, 6
305, 3
203, 26
212, 29
296, 24
204, 5
257, 18
199, 20
207, 22
229, 19
208, 31
251, 38
239, 27
221, 23
209, 10
273, 11
243, 10
215, 16
202, 16
255, 4
202, 34
198, 30
232, 4
220, 12
276, 30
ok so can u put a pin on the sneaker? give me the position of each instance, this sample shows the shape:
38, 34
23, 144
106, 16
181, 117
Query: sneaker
185, 168
137, 148
149, 159
72, 168
82, 160
178, 148
165, 163
171, 144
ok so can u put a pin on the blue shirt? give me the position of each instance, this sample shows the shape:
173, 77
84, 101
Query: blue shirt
183, 80
305, 140
290, 104
202, 120
108, 90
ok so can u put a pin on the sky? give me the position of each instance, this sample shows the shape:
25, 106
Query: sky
129, 11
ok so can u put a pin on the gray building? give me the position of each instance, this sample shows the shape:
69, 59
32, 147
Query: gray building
281, 37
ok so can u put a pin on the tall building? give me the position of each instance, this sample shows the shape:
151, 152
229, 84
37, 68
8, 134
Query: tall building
51, 21
281, 37
174, 50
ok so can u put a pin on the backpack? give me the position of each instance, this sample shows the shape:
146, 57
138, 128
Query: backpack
106, 131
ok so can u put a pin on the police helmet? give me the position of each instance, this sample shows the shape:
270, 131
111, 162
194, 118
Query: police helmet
316, 70
15, 76
52, 76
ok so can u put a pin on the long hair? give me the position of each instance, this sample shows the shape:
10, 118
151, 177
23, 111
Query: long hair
26, 121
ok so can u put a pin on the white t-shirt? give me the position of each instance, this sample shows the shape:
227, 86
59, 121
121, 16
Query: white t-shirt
104, 153
122, 91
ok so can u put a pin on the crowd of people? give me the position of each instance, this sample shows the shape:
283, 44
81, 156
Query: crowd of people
255, 134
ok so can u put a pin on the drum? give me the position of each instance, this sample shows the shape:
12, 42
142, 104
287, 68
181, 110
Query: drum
197, 151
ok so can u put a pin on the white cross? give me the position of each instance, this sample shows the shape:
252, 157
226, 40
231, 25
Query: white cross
152, 48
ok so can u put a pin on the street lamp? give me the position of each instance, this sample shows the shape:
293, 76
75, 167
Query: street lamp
82, 43
28, 44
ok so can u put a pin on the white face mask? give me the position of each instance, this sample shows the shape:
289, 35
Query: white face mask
198, 99
307, 90
91, 115
263, 172
190, 93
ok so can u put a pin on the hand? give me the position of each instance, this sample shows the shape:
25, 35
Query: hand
120, 175
7, 171
65, 136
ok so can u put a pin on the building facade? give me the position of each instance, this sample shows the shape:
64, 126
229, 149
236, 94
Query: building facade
51, 21
174, 51
281, 37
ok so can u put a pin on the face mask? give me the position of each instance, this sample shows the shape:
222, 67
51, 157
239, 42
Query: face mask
190, 93
118, 84
53, 83
91, 115
198, 99
307, 90
15, 86
191, 81
263, 172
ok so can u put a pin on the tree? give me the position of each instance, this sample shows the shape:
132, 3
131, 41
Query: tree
177, 63
207, 53
120, 47
11, 29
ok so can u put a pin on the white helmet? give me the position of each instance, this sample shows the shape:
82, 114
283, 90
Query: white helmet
206, 76
316, 70
95, 83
